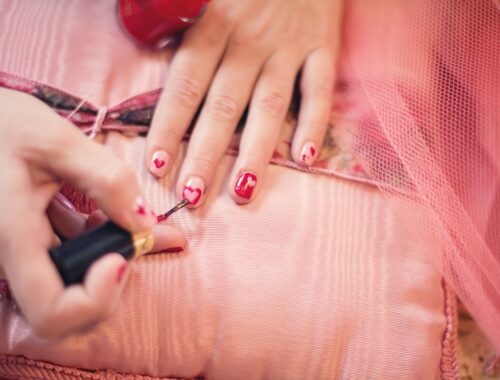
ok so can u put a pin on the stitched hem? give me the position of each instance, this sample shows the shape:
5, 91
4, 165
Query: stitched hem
15, 367
449, 363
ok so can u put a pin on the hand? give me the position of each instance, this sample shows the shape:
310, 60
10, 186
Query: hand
38, 150
240, 52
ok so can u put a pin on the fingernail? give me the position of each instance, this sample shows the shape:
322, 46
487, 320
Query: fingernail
64, 201
120, 272
174, 250
193, 190
308, 153
245, 185
159, 162
141, 208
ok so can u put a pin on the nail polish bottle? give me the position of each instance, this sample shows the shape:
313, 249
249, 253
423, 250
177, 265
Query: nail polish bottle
156, 23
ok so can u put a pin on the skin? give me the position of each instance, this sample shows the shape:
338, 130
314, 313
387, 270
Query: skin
34, 163
247, 52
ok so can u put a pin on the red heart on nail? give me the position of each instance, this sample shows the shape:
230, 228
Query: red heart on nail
192, 195
158, 163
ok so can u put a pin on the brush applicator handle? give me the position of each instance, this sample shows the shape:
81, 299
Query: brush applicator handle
75, 256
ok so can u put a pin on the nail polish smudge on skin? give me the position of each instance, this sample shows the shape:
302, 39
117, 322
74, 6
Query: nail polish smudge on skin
245, 185
120, 272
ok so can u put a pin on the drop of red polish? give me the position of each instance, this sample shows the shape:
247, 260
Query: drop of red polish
161, 218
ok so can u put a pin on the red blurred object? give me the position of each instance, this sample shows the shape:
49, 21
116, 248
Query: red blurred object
154, 23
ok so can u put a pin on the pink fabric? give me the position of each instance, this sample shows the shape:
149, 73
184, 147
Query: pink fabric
428, 75
268, 290
319, 277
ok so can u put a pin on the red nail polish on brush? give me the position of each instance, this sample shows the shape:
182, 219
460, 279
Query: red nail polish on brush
154, 23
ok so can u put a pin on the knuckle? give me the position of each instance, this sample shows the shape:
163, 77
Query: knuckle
203, 163
186, 92
316, 124
220, 27
273, 105
255, 33
223, 108
169, 137
257, 157
323, 89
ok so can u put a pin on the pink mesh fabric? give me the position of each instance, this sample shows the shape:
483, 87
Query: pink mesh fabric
427, 76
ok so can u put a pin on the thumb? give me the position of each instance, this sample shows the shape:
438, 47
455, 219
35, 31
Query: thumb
67, 154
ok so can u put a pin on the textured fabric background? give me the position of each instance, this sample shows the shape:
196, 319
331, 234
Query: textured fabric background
318, 278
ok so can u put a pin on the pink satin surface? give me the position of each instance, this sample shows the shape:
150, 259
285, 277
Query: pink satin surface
318, 278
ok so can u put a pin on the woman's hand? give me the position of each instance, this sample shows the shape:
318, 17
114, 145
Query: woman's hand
38, 150
241, 52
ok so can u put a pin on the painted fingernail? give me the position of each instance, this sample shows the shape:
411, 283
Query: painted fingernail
193, 190
308, 153
173, 250
245, 185
159, 162
141, 208
64, 201
120, 272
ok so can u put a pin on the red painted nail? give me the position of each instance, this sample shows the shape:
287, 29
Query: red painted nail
245, 185
193, 190
174, 250
308, 153
121, 270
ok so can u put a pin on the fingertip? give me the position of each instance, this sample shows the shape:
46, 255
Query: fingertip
168, 238
305, 154
244, 186
105, 281
159, 163
143, 216
193, 190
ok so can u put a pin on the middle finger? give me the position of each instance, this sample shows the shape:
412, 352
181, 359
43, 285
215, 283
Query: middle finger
228, 97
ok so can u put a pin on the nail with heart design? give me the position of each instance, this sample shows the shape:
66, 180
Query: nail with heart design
245, 185
159, 162
308, 153
193, 190
141, 208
